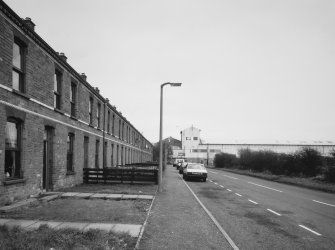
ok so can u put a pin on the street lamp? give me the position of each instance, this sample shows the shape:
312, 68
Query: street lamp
160, 169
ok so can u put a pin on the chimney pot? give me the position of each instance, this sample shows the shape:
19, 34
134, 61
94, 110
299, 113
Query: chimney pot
29, 23
97, 89
83, 76
63, 56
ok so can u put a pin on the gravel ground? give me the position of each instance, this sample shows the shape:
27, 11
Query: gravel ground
177, 221
149, 189
81, 210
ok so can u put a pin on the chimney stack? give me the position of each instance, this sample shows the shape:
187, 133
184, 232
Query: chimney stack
97, 89
63, 56
29, 23
83, 76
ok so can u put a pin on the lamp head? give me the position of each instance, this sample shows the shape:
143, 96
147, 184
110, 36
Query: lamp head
175, 84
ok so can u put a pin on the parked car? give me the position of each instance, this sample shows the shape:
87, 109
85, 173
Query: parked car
176, 161
178, 165
195, 171
182, 167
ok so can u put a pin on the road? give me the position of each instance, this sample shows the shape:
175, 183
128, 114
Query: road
260, 214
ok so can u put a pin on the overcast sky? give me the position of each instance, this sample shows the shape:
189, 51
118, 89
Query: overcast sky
252, 71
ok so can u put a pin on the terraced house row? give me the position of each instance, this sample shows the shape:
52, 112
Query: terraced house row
53, 123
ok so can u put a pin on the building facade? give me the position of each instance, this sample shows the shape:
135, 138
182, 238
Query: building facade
53, 123
195, 150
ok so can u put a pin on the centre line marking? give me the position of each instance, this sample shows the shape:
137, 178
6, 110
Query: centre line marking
265, 187
310, 230
215, 183
273, 212
221, 186
253, 201
324, 203
230, 241
238, 194
229, 190
224, 175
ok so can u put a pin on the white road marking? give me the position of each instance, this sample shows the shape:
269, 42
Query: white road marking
253, 201
230, 241
324, 203
221, 186
210, 180
238, 194
224, 175
229, 190
310, 230
215, 183
265, 187
274, 212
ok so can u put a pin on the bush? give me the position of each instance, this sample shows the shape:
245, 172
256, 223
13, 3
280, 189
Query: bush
310, 161
329, 173
258, 160
224, 160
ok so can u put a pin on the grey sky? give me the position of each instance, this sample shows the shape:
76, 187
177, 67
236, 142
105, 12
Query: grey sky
252, 71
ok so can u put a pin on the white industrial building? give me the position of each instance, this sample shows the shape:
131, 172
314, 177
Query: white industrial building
196, 150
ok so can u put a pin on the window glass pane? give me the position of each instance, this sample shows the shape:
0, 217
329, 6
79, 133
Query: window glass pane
16, 56
11, 135
16, 80
55, 83
71, 93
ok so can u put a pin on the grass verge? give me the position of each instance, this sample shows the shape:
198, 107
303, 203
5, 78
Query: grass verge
47, 238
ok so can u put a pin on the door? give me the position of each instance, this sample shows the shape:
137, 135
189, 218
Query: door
86, 141
47, 158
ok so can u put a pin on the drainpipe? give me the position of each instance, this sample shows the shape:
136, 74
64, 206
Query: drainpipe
103, 136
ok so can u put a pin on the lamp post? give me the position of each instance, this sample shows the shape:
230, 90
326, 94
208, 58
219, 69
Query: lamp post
160, 169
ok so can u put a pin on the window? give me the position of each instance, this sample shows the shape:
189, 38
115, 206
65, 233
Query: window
90, 112
113, 125
98, 114
13, 149
122, 130
195, 138
188, 138
70, 141
73, 93
57, 89
18, 65
97, 154
108, 121
119, 129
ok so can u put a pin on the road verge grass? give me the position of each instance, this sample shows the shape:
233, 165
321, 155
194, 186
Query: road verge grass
47, 238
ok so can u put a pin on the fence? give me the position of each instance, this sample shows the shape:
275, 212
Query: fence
125, 174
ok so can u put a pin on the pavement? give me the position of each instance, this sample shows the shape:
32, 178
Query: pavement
177, 220
133, 230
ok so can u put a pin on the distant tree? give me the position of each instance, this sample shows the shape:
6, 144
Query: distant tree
310, 161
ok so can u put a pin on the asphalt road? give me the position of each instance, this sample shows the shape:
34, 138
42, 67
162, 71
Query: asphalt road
260, 214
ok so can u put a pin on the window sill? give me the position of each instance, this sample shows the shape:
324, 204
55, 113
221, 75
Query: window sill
91, 125
8, 182
59, 111
74, 118
70, 173
99, 129
16, 92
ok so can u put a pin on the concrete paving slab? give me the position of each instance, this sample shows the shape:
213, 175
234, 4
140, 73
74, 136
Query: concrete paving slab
100, 226
133, 230
75, 225
49, 198
20, 223
84, 195
145, 197
98, 196
129, 197
4, 221
114, 196
51, 224
69, 194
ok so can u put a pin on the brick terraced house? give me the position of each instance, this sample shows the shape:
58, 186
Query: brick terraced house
53, 123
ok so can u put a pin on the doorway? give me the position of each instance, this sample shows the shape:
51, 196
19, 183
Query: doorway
47, 158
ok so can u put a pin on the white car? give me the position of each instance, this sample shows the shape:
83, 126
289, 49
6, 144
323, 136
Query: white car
195, 171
